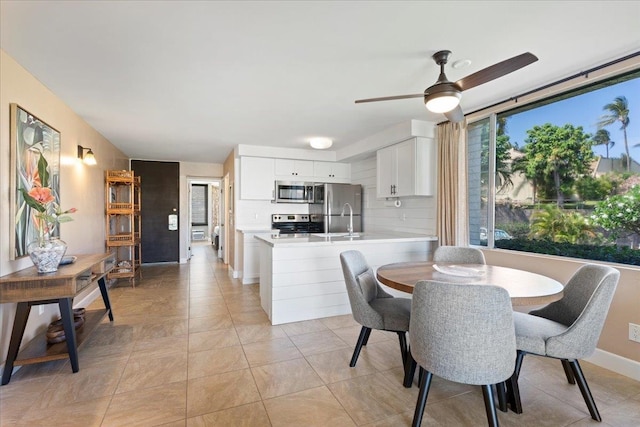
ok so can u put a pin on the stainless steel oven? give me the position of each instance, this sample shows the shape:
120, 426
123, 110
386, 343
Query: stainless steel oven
294, 192
296, 224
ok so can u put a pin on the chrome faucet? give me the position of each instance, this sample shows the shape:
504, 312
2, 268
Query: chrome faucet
350, 228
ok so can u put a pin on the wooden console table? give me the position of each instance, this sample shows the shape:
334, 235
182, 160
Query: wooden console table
28, 288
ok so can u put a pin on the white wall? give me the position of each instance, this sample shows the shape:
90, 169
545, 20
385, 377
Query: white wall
81, 186
415, 215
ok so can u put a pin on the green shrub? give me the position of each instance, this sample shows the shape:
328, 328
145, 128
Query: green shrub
558, 225
619, 214
622, 255
590, 188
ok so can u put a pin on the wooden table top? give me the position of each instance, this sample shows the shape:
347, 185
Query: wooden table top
82, 263
525, 288
67, 281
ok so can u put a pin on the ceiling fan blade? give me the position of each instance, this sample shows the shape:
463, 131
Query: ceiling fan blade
456, 115
390, 98
496, 70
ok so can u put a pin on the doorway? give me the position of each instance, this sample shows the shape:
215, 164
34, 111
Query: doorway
204, 212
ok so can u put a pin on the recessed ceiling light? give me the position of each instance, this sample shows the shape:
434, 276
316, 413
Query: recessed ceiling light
320, 143
461, 63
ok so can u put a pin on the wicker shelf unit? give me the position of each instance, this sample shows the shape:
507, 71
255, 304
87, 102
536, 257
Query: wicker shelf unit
123, 222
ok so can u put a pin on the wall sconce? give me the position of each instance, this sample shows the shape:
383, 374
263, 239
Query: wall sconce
89, 158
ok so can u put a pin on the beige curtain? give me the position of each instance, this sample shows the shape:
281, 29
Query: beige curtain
450, 222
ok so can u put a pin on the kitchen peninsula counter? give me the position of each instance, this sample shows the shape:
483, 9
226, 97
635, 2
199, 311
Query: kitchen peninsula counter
301, 277
283, 240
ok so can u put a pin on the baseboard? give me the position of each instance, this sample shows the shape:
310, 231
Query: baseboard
250, 280
613, 362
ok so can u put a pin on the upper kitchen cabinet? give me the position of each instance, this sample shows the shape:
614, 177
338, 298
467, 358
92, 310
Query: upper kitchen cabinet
406, 169
294, 169
332, 172
257, 176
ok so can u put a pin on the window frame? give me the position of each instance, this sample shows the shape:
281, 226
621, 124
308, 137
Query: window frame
205, 188
566, 89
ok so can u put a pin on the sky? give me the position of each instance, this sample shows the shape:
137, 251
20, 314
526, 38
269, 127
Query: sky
585, 110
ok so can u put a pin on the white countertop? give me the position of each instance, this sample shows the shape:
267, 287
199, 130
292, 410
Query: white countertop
364, 238
256, 229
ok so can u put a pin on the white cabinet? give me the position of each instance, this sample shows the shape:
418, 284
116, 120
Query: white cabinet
257, 176
332, 172
385, 171
251, 257
288, 168
406, 169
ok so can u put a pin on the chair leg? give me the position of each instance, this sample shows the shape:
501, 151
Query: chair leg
584, 389
402, 337
364, 334
501, 391
513, 391
489, 405
409, 370
425, 383
567, 371
366, 337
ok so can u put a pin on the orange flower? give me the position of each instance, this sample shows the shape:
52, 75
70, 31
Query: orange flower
42, 195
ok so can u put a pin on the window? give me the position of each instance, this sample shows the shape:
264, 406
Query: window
478, 180
560, 176
199, 204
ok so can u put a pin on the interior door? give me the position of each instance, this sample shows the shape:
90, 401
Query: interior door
222, 250
160, 204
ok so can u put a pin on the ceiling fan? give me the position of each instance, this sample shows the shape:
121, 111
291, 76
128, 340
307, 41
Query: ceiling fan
444, 96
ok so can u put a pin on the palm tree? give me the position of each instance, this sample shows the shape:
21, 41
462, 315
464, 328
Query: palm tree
602, 137
555, 224
618, 112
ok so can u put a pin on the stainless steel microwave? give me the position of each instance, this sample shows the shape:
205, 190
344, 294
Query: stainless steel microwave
294, 192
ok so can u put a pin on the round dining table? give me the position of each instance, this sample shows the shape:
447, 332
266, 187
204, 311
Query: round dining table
524, 287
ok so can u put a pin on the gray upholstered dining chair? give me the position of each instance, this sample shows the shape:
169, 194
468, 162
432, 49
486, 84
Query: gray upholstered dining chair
567, 329
459, 254
462, 333
371, 306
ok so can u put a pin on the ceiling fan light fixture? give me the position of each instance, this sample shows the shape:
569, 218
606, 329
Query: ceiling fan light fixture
320, 143
442, 102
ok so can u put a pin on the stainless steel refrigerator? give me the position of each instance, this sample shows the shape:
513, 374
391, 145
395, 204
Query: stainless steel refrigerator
329, 201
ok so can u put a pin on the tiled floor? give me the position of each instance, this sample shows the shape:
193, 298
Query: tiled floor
191, 347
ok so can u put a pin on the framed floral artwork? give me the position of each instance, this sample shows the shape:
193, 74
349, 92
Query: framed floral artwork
35, 162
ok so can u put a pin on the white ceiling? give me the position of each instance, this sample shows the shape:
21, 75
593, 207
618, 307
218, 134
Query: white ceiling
188, 81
